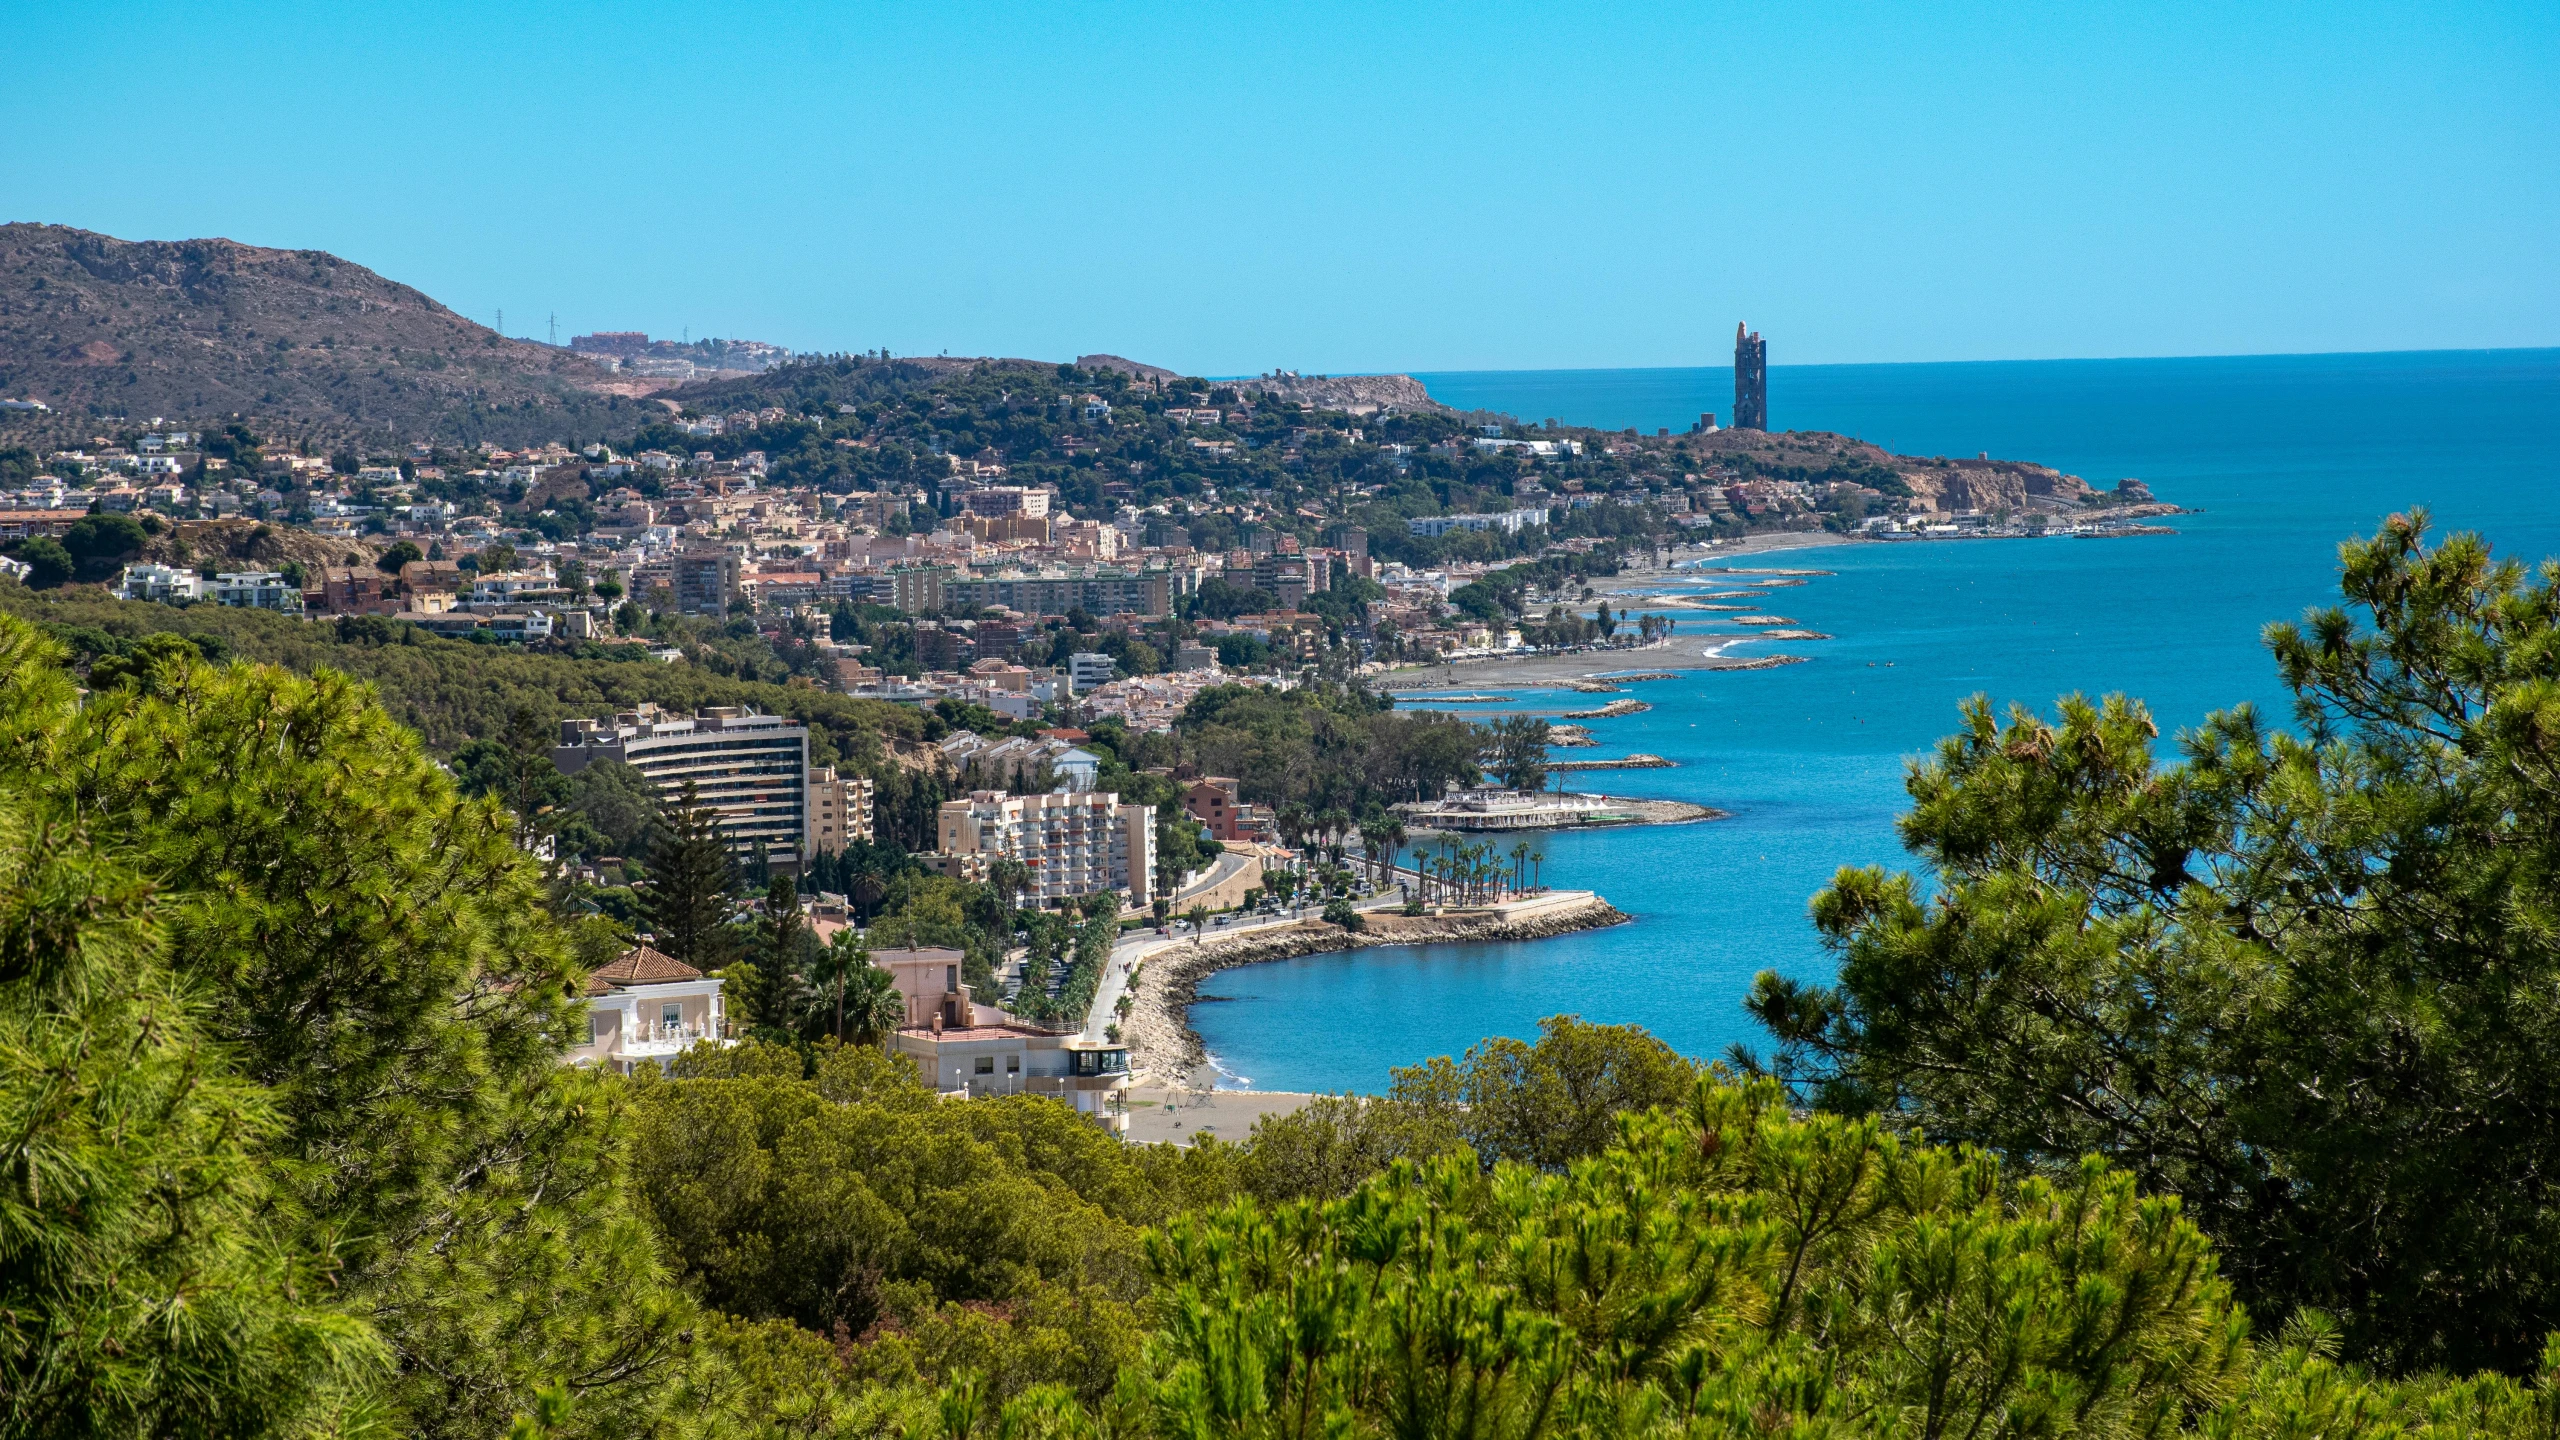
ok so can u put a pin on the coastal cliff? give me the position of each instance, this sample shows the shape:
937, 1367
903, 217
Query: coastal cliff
1161, 1040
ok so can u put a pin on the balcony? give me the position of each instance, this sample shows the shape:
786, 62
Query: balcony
657, 1042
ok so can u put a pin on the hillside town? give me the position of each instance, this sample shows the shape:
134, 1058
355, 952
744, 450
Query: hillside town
932, 542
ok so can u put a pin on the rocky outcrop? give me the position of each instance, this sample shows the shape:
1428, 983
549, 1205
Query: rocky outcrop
1352, 394
1159, 1033
1130, 368
1949, 486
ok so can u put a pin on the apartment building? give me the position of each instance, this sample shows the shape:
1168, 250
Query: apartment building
1009, 500
990, 1059
839, 810
753, 769
704, 581
257, 590
1077, 843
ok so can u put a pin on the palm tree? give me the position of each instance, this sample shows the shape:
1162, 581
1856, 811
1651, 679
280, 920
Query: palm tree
1293, 823
1198, 915
1537, 858
1008, 878
839, 964
1336, 822
873, 1008
1520, 865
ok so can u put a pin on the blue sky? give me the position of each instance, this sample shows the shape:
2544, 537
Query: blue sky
1225, 189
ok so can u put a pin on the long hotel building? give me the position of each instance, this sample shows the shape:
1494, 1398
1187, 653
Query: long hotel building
753, 769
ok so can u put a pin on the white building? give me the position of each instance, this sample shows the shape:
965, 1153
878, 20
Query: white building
1088, 670
1508, 521
257, 590
1015, 1059
1077, 843
644, 1006
159, 582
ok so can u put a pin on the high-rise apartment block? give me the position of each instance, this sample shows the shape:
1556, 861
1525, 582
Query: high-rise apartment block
705, 581
753, 770
1008, 500
839, 810
1750, 379
1076, 844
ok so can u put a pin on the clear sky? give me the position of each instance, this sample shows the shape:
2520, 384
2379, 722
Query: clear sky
1333, 188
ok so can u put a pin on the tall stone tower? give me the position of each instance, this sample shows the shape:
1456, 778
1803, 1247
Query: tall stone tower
1750, 380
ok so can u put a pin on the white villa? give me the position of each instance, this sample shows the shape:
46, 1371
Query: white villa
642, 1005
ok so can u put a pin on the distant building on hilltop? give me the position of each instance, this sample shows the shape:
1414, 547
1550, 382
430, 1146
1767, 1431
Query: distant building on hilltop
1750, 380
624, 344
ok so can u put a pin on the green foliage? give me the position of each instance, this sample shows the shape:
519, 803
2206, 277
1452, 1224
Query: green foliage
1724, 1269
688, 899
376, 956
2310, 985
1552, 1102
99, 544
147, 1280
998, 1236
608, 808
451, 692
1518, 751
1325, 746
49, 564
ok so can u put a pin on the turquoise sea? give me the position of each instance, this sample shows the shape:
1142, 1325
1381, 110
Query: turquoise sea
2284, 455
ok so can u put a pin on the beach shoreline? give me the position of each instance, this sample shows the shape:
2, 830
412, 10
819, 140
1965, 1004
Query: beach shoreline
1556, 671
1169, 1052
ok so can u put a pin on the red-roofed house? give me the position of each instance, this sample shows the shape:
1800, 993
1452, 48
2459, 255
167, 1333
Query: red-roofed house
642, 1005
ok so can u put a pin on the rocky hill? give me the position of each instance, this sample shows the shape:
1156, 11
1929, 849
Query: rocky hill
1936, 484
300, 341
1358, 394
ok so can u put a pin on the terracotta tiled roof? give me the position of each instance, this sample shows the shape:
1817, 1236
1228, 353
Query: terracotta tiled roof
640, 965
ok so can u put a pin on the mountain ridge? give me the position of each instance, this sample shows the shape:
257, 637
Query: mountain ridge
205, 329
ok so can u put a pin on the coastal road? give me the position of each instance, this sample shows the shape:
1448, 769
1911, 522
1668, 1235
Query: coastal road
1223, 870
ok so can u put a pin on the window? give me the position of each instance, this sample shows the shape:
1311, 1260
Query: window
986, 1064
671, 1015
1013, 1064
595, 1027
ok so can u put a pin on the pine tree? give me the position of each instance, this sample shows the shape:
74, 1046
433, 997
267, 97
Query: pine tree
779, 993
688, 897
143, 1285
375, 954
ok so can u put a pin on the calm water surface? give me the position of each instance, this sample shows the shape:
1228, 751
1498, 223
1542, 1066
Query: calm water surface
2285, 455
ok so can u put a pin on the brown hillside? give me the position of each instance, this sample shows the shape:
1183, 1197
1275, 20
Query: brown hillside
296, 340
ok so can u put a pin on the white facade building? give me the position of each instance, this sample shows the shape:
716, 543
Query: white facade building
160, 582
1075, 844
646, 1007
257, 590
1089, 670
